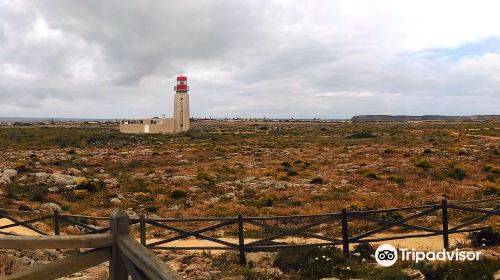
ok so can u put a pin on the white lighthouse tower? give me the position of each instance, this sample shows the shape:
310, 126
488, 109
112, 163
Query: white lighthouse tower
181, 105
179, 123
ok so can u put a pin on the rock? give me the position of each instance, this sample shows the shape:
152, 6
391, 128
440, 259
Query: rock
496, 275
214, 200
4, 180
50, 207
343, 182
115, 201
9, 173
73, 171
183, 161
41, 177
54, 190
259, 259
112, 182
413, 273
389, 169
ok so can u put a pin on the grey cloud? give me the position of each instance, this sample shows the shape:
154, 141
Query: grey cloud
247, 58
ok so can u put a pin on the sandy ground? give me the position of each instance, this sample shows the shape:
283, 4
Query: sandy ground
20, 230
427, 243
433, 243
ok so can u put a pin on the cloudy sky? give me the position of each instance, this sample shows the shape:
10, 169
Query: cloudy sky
260, 58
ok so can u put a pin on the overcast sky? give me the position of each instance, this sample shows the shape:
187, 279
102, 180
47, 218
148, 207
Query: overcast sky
328, 59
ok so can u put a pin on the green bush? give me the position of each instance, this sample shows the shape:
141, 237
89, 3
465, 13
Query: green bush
424, 164
265, 201
398, 180
388, 151
39, 193
458, 173
90, 185
372, 175
317, 181
364, 251
310, 262
205, 180
485, 237
489, 188
178, 194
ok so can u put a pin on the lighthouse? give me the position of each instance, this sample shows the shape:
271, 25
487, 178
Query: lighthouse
179, 123
181, 105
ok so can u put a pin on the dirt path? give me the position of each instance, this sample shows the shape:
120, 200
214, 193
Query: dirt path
20, 230
428, 243
433, 243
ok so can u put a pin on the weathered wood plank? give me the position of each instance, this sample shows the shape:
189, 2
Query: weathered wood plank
56, 242
145, 259
66, 266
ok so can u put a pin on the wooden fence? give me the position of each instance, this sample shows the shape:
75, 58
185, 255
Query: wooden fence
126, 256
272, 232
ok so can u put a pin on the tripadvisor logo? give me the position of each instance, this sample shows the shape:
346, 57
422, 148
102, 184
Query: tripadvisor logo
387, 255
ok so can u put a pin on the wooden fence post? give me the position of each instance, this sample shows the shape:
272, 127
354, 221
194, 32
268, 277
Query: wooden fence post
119, 222
444, 210
57, 223
345, 233
241, 238
142, 229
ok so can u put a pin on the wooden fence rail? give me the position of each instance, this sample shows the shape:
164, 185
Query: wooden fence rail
126, 256
279, 228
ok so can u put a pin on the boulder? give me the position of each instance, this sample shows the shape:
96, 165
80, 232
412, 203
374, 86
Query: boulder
9, 173
50, 207
496, 275
54, 190
115, 201
259, 259
73, 171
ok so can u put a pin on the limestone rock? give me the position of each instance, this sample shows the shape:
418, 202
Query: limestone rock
9, 173
50, 207
115, 201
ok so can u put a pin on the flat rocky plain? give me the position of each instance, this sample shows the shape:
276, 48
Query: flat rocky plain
222, 168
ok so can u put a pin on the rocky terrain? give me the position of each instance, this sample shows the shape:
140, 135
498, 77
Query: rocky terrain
254, 168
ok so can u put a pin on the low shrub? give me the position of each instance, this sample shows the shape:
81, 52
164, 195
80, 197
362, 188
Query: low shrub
311, 262
364, 251
485, 237
490, 188
491, 168
458, 173
388, 151
90, 185
372, 175
317, 181
205, 180
178, 194
398, 180
356, 206
361, 134
265, 201
424, 164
